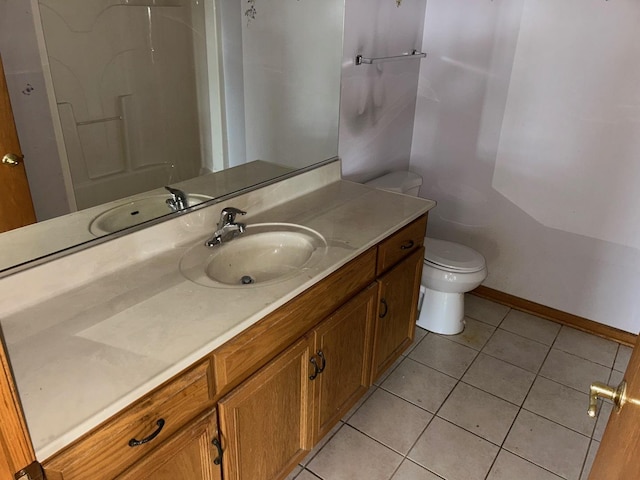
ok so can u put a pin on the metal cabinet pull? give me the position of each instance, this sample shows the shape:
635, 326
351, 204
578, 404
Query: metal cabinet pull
407, 246
134, 443
218, 459
316, 368
324, 361
386, 308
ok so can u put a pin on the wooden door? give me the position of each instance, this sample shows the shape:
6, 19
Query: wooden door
397, 311
16, 207
342, 353
617, 457
16, 450
189, 454
265, 423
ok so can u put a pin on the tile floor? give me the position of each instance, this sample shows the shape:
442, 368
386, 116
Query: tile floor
504, 400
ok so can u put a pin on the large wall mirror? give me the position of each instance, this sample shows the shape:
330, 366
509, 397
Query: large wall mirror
207, 97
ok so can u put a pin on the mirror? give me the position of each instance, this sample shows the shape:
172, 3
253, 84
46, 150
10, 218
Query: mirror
210, 97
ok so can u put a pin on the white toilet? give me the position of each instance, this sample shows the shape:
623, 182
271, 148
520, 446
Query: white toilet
449, 271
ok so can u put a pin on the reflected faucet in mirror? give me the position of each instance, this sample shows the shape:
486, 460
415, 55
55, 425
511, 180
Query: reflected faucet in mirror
143, 94
178, 200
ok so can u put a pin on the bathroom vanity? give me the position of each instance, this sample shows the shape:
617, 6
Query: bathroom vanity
139, 372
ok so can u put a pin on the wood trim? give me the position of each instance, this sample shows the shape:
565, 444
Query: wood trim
16, 451
558, 316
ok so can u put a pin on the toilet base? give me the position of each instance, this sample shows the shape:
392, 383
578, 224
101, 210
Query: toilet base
442, 312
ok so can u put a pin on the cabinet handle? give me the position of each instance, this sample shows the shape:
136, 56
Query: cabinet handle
324, 361
218, 459
134, 443
316, 369
386, 308
407, 246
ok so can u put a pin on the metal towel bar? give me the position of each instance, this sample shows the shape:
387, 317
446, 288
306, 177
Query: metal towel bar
360, 60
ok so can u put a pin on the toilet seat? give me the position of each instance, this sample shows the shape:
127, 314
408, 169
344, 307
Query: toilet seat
452, 256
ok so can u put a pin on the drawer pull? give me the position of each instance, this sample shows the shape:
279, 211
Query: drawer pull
407, 246
134, 443
218, 459
324, 361
386, 308
316, 368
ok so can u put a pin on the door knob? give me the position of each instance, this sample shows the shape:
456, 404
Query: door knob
617, 395
11, 159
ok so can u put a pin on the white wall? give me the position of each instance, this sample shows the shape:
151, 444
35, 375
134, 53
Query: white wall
526, 134
378, 101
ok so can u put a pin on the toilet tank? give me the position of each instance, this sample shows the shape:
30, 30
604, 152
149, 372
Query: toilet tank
400, 181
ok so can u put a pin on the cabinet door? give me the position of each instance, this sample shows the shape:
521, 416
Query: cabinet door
398, 293
265, 422
190, 454
342, 353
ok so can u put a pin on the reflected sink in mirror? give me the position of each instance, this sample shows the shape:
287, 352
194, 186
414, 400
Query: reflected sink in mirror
136, 212
265, 254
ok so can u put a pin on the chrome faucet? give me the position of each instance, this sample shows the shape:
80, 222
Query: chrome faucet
178, 200
227, 227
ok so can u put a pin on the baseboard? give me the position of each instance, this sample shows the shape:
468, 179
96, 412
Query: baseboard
558, 316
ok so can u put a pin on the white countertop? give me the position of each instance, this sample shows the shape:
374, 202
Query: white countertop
83, 354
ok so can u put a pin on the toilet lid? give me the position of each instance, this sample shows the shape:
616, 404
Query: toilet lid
452, 256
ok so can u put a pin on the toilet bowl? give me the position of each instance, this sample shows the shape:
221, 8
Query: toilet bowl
449, 270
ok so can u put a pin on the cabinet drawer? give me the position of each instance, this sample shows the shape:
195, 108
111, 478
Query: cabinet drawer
237, 359
105, 451
401, 244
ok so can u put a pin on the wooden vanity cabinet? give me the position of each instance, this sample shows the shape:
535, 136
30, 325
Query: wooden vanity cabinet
107, 451
189, 454
265, 423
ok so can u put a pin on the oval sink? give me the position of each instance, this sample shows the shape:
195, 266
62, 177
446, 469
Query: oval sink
136, 212
266, 253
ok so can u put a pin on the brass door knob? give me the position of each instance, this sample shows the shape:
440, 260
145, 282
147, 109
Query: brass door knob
11, 159
617, 395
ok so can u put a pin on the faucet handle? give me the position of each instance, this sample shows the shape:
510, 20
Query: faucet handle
178, 200
228, 215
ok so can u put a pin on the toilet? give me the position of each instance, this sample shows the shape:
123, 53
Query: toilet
449, 270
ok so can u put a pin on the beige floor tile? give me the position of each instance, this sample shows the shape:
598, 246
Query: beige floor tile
359, 403
587, 346
314, 451
622, 358
453, 453
389, 371
475, 334
410, 471
531, 327
306, 475
481, 413
561, 404
511, 467
604, 412
573, 371
351, 455
419, 384
516, 350
417, 338
499, 378
615, 378
391, 420
593, 449
547, 444
295, 473
484, 310
444, 355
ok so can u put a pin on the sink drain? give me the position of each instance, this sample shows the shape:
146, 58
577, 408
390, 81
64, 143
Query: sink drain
247, 280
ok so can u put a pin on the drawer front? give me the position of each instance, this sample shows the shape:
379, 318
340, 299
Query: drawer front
105, 451
401, 244
240, 357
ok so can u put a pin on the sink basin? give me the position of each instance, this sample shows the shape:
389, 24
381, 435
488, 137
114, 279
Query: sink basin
266, 253
136, 212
